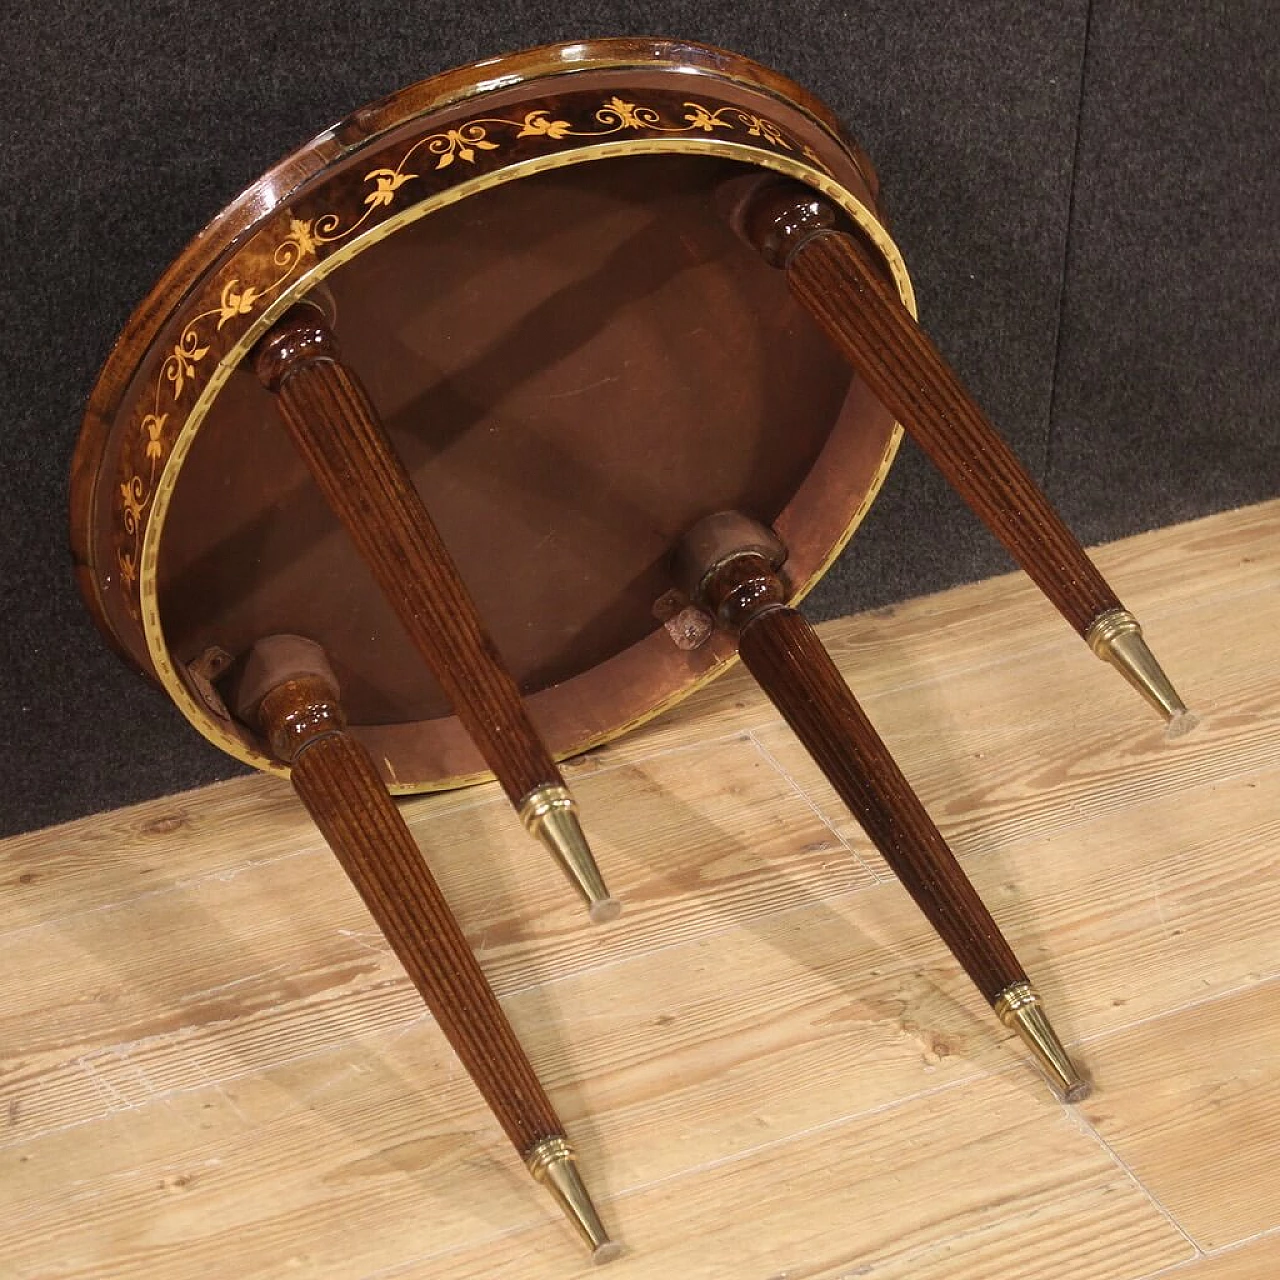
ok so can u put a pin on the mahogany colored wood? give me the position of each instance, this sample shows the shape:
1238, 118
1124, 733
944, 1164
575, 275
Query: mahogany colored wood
336, 430
336, 780
836, 278
532, 272
783, 653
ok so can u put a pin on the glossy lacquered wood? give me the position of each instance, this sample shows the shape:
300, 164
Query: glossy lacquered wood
783, 653
337, 782
336, 430
844, 289
502, 294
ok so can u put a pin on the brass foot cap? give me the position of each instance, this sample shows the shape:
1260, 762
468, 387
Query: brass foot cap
1019, 1008
1116, 637
549, 814
554, 1164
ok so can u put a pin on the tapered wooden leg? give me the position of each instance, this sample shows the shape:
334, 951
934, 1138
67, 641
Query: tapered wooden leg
842, 286
337, 432
740, 585
335, 778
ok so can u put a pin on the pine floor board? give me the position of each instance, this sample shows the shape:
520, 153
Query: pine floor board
1257, 1260
968, 1183
1211, 1075
210, 1064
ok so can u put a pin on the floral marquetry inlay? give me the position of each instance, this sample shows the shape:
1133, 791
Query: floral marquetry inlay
184, 370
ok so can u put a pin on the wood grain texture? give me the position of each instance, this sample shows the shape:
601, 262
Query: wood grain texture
1212, 1073
326, 188
336, 430
1023, 768
1025, 1195
784, 654
211, 1063
337, 782
836, 278
1258, 1260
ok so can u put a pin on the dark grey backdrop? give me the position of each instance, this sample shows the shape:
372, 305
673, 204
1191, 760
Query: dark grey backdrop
1086, 194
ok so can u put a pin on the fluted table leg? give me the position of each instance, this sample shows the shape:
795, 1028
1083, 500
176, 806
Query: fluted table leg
337, 432
742, 588
835, 277
338, 783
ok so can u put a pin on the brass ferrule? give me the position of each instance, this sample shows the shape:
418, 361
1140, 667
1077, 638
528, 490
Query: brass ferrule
554, 1164
550, 815
1116, 637
1019, 1008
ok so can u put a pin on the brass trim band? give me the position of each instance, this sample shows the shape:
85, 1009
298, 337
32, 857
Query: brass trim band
548, 1152
1022, 995
1107, 628
542, 803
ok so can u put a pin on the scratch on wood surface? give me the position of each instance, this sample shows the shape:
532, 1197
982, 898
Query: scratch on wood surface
216, 1085
1157, 901
411, 1026
115, 1101
186, 885
205, 993
579, 391
362, 938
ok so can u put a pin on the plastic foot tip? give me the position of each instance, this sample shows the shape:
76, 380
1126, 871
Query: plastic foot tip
1180, 724
606, 1252
1077, 1092
605, 910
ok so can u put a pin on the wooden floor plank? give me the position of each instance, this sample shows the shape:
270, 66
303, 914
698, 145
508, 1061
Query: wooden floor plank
691, 841
266, 1176
113, 858
280, 958
1258, 1260
210, 1064
966, 1183
1191, 1103
281, 962
1028, 761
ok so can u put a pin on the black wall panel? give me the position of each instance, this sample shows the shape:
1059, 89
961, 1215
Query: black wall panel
1168, 390
1133, 146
